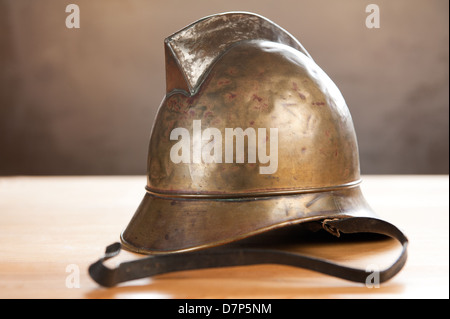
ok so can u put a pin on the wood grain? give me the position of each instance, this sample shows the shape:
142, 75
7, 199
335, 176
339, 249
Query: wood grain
52, 226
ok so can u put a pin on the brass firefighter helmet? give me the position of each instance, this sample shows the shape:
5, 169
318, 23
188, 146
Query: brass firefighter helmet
251, 136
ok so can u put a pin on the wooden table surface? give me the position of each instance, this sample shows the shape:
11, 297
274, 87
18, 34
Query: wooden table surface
53, 228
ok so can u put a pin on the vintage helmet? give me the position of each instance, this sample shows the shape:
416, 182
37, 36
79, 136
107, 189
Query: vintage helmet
251, 136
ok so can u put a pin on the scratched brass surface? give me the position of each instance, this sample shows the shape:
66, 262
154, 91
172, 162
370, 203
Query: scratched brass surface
260, 84
238, 70
164, 225
198, 45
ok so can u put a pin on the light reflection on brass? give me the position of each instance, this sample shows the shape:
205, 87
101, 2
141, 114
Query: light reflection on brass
239, 70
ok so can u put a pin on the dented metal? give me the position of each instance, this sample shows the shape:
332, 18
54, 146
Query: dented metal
239, 73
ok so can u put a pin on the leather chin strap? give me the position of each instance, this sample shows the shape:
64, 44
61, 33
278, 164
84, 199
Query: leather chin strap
212, 258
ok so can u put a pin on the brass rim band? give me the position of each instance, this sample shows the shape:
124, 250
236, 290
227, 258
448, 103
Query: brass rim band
238, 196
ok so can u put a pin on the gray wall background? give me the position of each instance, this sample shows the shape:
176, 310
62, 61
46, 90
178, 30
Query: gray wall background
82, 101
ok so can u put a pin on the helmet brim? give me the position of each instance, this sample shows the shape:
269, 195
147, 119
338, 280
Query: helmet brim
164, 225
